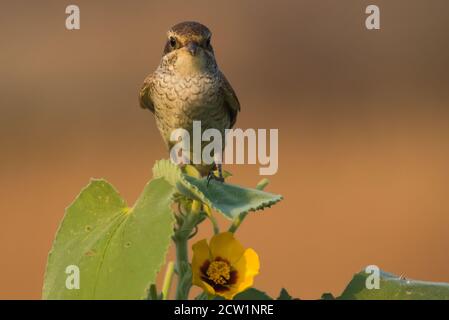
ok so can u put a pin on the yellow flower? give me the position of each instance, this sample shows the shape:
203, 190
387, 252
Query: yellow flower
223, 267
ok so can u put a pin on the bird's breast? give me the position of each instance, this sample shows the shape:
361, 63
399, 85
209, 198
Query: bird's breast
187, 94
179, 100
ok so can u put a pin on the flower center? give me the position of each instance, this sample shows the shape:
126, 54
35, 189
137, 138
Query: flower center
219, 272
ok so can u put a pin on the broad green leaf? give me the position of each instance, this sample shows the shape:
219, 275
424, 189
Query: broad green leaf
393, 287
284, 295
327, 296
252, 294
248, 294
117, 249
228, 199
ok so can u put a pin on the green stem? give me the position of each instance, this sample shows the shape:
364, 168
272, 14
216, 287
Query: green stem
214, 224
167, 280
262, 184
237, 222
182, 268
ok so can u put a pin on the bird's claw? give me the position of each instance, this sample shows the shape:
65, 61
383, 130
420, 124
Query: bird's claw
212, 176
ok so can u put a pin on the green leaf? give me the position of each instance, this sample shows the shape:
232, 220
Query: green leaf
248, 294
202, 296
118, 250
252, 294
228, 199
393, 287
327, 296
284, 295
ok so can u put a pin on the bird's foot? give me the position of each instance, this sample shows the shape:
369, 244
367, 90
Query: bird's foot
212, 176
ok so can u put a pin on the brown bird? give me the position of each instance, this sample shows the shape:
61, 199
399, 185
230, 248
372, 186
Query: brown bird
188, 86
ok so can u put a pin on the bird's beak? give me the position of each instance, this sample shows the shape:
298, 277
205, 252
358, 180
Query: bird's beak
192, 47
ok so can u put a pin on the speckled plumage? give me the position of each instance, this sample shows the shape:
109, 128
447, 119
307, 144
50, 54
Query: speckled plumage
188, 86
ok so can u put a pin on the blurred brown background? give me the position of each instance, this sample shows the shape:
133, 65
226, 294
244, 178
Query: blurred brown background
363, 119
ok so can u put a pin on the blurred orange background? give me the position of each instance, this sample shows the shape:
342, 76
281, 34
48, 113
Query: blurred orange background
363, 119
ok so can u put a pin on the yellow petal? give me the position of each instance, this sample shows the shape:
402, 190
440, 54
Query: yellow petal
247, 267
245, 284
225, 246
228, 294
252, 262
207, 288
201, 254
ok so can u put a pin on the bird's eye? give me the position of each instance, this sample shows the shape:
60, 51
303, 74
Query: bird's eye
208, 42
172, 41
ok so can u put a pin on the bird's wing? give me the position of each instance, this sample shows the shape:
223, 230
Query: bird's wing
231, 101
144, 94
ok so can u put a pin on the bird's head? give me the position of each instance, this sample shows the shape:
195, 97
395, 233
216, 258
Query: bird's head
188, 48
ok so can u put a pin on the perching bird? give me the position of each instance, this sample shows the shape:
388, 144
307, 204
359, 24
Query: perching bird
188, 86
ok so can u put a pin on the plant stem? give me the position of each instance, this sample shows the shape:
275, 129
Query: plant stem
167, 280
181, 239
237, 222
214, 224
187, 222
262, 184
182, 268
